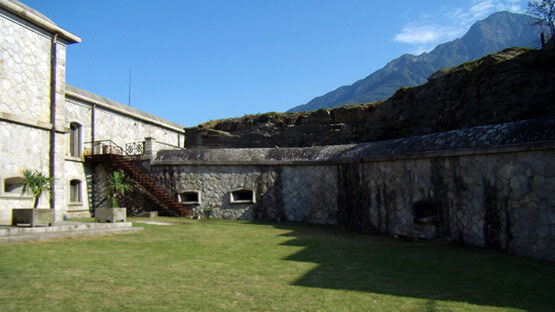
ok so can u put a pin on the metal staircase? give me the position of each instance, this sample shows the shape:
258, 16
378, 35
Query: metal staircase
107, 151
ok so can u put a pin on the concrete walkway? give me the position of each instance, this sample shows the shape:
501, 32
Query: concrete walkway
63, 229
154, 222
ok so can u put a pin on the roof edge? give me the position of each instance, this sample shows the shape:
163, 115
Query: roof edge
92, 98
38, 21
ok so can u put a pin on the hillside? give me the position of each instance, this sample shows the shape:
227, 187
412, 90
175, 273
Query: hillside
513, 84
497, 32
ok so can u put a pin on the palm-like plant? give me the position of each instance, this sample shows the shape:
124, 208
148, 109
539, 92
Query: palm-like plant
36, 183
116, 187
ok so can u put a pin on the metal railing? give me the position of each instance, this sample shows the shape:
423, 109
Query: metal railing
135, 148
131, 153
102, 147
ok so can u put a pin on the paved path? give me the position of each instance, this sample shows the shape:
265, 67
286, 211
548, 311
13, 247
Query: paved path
154, 222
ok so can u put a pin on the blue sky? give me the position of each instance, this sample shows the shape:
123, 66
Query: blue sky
195, 61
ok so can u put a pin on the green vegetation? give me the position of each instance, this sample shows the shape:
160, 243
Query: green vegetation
231, 265
116, 187
36, 183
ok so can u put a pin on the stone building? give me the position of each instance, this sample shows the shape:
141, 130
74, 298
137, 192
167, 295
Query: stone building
47, 125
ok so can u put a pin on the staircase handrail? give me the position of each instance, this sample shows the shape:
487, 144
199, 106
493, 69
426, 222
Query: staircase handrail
110, 147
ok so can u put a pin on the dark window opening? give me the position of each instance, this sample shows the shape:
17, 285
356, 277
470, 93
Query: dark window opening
75, 191
190, 197
242, 196
75, 139
13, 185
424, 211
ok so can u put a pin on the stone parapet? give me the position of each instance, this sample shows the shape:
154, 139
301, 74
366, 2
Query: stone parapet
537, 134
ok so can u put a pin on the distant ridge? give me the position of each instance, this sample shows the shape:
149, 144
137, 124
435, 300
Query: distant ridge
511, 85
497, 32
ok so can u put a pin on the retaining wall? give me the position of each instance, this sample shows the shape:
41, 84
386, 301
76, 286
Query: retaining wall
495, 196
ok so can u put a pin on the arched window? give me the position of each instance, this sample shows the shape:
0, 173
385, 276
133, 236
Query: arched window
75, 191
75, 139
13, 185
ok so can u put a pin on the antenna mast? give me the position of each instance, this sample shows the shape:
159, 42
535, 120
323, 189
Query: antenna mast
129, 95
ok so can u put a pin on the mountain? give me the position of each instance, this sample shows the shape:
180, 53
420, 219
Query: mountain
497, 32
512, 85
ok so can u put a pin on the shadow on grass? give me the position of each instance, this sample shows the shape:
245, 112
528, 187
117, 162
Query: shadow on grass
427, 270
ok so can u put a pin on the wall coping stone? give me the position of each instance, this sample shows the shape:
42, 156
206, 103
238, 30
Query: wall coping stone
36, 18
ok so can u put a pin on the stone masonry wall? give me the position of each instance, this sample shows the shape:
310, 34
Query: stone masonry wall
32, 156
495, 200
25, 108
25, 69
215, 184
122, 129
114, 126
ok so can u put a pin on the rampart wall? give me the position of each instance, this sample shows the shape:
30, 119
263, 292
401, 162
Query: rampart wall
485, 186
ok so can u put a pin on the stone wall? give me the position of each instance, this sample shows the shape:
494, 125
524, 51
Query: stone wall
25, 125
489, 186
215, 184
29, 156
500, 201
117, 122
25, 69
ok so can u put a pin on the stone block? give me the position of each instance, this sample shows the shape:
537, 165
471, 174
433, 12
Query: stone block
110, 214
508, 171
33, 217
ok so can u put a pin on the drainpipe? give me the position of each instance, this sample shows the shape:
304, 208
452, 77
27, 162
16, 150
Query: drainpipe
92, 167
93, 111
52, 156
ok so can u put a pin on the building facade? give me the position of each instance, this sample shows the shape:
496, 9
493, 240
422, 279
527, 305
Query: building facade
47, 125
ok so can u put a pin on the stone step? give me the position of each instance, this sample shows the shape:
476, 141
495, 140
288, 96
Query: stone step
61, 227
54, 235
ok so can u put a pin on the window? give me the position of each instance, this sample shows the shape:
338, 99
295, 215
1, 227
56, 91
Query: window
75, 139
189, 197
75, 191
13, 185
242, 196
424, 211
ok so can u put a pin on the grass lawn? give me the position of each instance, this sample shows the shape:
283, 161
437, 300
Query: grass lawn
231, 265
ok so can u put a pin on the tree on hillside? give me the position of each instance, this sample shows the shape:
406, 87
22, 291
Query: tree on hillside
544, 10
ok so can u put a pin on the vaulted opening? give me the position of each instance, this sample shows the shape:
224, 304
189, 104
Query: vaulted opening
425, 211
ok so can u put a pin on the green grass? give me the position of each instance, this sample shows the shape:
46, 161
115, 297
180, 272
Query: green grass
231, 265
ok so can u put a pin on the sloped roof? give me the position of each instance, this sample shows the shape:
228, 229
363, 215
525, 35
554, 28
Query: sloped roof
86, 96
36, 18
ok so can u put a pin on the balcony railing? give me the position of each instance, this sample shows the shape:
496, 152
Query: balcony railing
135, 148
104, 147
